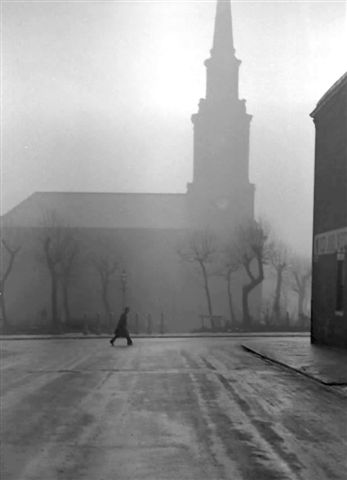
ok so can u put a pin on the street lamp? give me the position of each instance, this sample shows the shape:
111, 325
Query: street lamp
124, 284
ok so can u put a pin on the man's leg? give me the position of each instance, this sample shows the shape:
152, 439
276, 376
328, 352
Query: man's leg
129, 341
113, 339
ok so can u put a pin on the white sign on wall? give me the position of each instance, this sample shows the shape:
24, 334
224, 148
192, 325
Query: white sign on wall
330, 242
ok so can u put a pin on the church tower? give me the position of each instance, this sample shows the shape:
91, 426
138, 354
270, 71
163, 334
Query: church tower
221, 194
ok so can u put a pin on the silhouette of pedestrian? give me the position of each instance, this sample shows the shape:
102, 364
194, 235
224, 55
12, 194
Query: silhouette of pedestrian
122, 329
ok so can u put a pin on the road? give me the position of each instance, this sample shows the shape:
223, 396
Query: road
164, 409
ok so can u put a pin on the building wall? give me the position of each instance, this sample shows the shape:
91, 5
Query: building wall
328, 326
329, 322
330, 199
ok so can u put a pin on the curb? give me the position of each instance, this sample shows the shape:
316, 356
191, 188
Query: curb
168, 336
293, 369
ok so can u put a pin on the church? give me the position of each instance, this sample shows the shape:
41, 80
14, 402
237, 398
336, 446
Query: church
143, 233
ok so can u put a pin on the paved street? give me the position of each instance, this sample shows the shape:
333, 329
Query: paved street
165, 409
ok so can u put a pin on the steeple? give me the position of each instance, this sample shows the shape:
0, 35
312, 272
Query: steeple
222, 66
223, 30
221, 132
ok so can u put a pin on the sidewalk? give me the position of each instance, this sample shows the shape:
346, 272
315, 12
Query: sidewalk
324, 364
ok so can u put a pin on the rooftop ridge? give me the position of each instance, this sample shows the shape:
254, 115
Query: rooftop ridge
45, 192
330, 93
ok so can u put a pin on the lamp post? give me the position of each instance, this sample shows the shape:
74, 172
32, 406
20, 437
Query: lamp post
124, 284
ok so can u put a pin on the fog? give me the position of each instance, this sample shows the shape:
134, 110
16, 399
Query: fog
98, 97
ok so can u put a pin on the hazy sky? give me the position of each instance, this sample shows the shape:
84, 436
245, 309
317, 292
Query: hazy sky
97, 96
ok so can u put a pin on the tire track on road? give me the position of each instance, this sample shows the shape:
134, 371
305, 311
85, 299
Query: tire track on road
227, 467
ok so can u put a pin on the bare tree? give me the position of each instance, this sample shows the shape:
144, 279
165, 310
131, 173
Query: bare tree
52, 256
251, 247
231, 264
278, 259
60, 248
300, 268
106, 267
12, 252
201, 250
71, 250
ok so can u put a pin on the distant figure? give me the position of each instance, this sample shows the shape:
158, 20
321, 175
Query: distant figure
122, 329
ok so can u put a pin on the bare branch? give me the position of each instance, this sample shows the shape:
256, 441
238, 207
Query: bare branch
12, 252
201, 249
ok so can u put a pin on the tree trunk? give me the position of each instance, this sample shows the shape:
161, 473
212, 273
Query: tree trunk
301, 298
51, 264
207, 292
230, 299
246, 290
54, 300
3, 308
66, 303
247, 319
276, 309
12, 253
106, 303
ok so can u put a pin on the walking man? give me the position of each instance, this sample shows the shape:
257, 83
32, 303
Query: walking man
122, 329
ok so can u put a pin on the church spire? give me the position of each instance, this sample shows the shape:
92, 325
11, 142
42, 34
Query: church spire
223, 30
222, 66
222, 125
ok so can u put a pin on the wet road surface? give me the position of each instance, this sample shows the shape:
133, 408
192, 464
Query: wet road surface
171, 409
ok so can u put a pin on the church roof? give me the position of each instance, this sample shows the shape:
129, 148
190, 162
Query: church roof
101, 210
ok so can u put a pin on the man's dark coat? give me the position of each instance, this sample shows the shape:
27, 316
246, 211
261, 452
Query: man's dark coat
122, 329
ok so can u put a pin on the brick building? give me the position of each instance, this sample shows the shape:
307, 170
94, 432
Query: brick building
329, 274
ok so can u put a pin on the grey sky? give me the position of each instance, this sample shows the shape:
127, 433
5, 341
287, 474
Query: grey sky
98, 96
